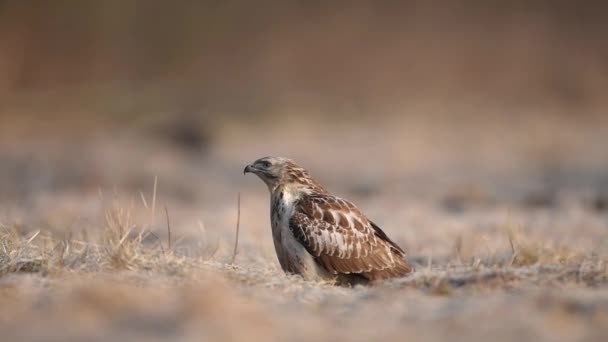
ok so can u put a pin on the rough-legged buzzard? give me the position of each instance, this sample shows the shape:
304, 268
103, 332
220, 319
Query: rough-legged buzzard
320, 236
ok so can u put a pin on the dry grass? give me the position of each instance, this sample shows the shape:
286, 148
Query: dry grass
119, 244
125, 282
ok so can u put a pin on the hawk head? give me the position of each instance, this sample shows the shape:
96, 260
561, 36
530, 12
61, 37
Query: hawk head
285, 173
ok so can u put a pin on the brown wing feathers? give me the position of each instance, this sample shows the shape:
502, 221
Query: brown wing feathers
344, 241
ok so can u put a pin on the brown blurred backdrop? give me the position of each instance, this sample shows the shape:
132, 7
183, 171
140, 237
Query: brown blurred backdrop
361, 57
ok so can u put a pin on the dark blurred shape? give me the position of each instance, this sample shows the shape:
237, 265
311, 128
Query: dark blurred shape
185, 133
364, 189
540, 199
458, 201
600, 204
189, 138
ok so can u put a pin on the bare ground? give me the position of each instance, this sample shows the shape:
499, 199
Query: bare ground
506, 221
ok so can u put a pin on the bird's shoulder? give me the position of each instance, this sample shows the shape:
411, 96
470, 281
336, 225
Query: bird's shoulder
328, 210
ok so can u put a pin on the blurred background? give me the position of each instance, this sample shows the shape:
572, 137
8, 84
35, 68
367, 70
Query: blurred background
452, 106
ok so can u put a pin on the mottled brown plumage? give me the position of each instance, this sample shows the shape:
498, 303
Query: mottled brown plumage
320, 236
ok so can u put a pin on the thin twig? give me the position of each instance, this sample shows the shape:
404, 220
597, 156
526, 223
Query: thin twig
458, 247
513, 249
512, 244
143, 199
238, 223
33, 237
168, 228
154, 200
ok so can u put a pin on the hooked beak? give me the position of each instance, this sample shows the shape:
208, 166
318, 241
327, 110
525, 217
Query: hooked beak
249, 168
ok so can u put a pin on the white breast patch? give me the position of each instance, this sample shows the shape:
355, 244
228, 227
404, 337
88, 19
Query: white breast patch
293, 257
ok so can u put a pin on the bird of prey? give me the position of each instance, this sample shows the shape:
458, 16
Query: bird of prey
320, 236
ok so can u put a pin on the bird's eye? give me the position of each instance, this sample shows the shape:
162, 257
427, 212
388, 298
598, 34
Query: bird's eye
265, 164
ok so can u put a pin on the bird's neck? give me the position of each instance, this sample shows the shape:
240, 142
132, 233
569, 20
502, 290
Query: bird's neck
286, 193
